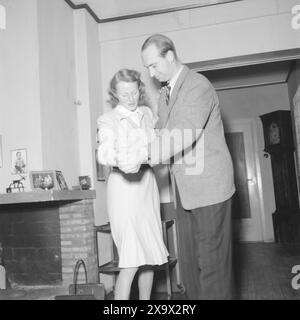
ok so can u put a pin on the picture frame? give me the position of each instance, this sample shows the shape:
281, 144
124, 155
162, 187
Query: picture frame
85, 182
47, 180
43, 180
61, 180
18, 161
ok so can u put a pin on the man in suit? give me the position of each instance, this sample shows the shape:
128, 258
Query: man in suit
200, 168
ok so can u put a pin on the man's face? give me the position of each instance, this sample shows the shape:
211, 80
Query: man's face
159, 67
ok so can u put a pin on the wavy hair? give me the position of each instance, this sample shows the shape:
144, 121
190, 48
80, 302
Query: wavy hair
126, 75
162, 43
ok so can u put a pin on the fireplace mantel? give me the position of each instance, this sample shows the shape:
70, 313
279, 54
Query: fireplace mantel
49, 195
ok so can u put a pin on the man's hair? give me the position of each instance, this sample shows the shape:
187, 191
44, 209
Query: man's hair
162, 43
126, 75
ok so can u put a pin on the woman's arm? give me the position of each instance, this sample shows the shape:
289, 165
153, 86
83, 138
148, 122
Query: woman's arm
106, 153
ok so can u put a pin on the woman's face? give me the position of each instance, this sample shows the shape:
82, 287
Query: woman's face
128, 94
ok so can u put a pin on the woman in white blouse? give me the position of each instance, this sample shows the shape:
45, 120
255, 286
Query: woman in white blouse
133, 198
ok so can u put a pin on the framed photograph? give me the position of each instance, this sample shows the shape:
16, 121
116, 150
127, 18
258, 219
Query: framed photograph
43, 180
61, 180
85, 182
1, 159
19, 161
99, 169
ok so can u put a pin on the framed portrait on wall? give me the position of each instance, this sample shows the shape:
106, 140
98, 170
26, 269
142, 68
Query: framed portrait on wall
19, 161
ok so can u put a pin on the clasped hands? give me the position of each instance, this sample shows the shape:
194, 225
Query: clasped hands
131, 159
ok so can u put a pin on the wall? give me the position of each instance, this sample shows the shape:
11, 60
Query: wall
20, 118
89, 99
250, 103
57, 89
37, 88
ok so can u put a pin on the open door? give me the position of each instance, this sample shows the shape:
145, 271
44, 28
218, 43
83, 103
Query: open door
247, 210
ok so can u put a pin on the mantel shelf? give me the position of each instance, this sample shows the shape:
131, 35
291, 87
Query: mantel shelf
46, 195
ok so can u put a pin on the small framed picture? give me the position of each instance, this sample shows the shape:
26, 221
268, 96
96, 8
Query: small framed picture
61, 180
19, 161
43, 180
85, 182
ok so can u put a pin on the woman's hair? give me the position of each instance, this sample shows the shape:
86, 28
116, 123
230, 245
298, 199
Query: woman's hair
162, 43
126, 75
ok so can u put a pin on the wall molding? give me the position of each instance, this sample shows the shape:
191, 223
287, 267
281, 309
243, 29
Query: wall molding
248, 60
143, 14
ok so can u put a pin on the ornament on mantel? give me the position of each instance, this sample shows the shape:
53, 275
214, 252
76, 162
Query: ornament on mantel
16, 185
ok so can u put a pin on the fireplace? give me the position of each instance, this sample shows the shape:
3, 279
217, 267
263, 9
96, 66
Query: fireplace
43, 234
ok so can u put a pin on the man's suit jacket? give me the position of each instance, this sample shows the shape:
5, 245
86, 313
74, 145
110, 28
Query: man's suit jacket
204, 171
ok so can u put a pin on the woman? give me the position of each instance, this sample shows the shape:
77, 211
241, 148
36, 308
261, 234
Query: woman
132, 199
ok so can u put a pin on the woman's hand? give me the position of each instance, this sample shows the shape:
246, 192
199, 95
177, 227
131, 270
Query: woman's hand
128, 163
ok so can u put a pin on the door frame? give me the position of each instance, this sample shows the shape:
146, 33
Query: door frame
245, 60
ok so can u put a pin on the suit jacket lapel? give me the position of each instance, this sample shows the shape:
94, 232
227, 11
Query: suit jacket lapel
174, 94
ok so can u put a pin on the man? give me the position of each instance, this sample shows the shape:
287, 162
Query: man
204, 186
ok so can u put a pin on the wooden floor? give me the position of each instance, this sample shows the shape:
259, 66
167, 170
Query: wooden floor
262, 272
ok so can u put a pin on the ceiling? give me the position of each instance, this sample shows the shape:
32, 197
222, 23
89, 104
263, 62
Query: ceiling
124, 9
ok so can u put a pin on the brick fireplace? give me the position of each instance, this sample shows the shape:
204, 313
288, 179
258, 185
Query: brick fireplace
43, 234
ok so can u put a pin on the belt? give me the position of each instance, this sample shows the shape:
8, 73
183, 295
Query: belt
143, 167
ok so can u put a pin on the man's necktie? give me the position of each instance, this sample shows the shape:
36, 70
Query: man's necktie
165, 90
163, 103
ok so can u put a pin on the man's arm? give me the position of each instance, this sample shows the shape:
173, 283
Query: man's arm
190, 118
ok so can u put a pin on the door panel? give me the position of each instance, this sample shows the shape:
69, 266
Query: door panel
246, 205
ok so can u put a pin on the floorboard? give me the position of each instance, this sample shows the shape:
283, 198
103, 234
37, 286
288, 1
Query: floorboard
262, 272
